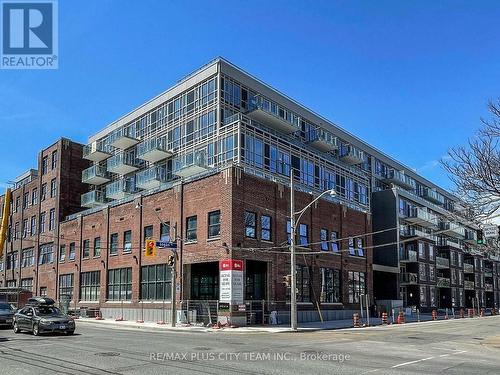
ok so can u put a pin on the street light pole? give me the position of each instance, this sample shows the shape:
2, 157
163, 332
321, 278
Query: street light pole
293, 271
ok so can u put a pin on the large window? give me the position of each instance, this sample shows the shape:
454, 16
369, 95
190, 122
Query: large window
250, 224
46, 254
148, 234
192, 228
33, 225
423, 295
72, 251
86, 249
12, 260
34, 196
53, 188
54, 159
42, 222
303, 235
27, 284
27, 258
52, 219
120, 284
113, 248
330, 286
165, 231
323, 236
156, 282
127, 241
62, 253
334, 241
90, 286
214, 224
303, 284
97, 247
66, 286
265, 228
357, 286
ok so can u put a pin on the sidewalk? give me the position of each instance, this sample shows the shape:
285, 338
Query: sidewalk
303, 327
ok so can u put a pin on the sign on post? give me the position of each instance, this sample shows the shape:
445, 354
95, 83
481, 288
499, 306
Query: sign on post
166, 245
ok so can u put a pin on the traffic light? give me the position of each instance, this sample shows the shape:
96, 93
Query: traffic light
171, 260
150, 249
286, 280
480, 238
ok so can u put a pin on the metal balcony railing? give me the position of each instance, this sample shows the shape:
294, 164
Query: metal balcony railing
422, 217
433, 196
408, 256
322, 140
399, 178
469, 285
443, 282
452, 229
468, 268
442, 262
408, 278
351, 155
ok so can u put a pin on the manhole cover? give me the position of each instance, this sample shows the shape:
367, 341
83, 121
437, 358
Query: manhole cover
107, 354
202, 348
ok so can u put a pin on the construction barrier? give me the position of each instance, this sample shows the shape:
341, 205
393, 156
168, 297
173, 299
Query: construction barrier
434, 315
384, 318
355, 320
401, 318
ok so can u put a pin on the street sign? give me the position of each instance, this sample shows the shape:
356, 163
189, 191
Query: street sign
490, 231
166, 245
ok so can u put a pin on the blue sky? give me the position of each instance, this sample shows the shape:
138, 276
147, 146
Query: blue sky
411, 78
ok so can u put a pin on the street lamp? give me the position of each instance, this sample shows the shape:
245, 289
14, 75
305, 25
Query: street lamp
293, 274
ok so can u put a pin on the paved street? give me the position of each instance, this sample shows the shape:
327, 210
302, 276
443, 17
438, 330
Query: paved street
456, 347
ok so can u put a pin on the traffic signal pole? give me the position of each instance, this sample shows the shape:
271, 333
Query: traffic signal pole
173, 310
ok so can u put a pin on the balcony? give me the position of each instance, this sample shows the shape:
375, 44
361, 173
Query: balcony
468, 285
273, 115
443, 282
92, 199
351, 155
150, 178
488, 287
153, 150
191, 164
433, 196
422, 217
123, 138
470, 236
468, 268
408, 256
400, 179
122, 163
452, 229
95, 152
120, 189
442, 263
95, 175
408, 278
323, 140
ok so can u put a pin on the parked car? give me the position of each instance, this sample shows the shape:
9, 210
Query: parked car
40, 315
6, 314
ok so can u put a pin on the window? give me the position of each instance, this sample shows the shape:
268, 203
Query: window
165, 231
86, 249
330, 285
352, 251
422, 270
27, 284
34, 196
54, 159
27, 258
323, 236
303, 235
421, 251
191, 228
303, 284
62, 253
12, 260
156, 282
46, 254
113, 248
359, 247
11, 283
26, 200
52, 219
43, 291
45, 164
334, 244
356, 286
66, 287
265, 228
33, 225
120, 284
97, 247
148, 234
90, 289
17, 234
432, 273
289, 231
25, 228
42, 222
127, 241
423, 296
214, 224
18, 203
43, 193
72, 251
53, 188
431, 252
250, 224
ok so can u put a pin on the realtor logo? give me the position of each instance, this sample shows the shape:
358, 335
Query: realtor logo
29, 34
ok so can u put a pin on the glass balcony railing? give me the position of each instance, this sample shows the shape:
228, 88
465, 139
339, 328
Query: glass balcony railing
153, 150
422, 217
488, 287
442, 262
408, 278
95, 175
120, 189
191, 164
351, 155
433, 196
468, 268
452, 229
408, 256
322, 140
123, 138
468, 285
273, 115
93, 199
150, 178
123, 163
443, 282
96, 152
398, 178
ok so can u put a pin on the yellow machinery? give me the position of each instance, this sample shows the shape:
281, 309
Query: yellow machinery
5, 219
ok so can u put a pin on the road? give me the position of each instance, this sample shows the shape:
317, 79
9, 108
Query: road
463, 346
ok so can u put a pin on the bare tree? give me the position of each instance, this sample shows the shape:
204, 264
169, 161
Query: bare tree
475, 168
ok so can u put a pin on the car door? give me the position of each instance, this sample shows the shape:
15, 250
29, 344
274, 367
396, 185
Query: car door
21, 318
30, 315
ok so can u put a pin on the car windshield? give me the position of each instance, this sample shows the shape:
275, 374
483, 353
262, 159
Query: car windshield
5, 306
47, 311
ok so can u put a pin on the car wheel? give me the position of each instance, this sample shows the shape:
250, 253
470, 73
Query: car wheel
36, 331
16, 328
69, 333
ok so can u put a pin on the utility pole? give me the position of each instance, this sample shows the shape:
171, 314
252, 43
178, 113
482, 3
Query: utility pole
293, 275
173, 311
